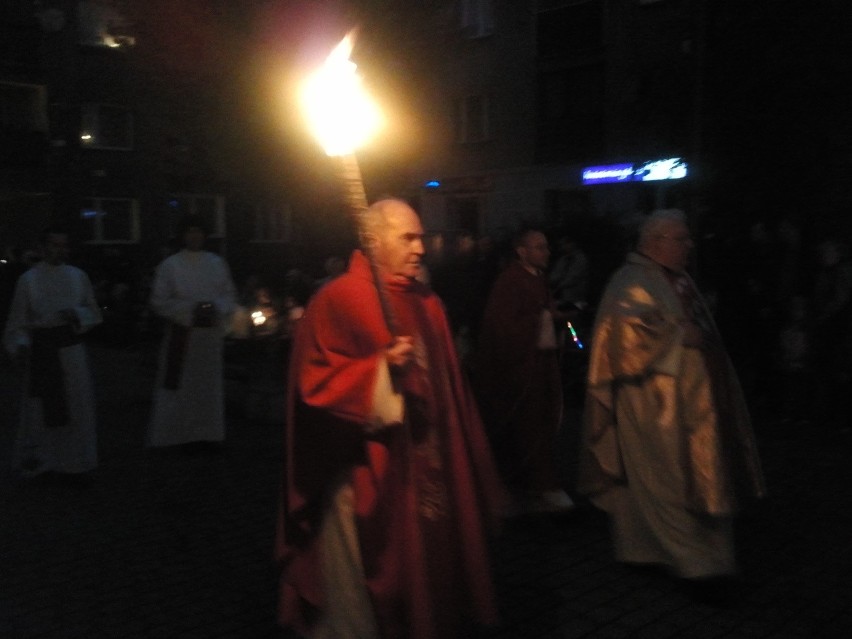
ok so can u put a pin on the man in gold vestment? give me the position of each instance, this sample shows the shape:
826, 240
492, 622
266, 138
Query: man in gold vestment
668, 449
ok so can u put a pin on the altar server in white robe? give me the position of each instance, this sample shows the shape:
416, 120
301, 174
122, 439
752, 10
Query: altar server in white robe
193, 291
53, 305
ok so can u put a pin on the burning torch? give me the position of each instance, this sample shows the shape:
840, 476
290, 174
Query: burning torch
342, 117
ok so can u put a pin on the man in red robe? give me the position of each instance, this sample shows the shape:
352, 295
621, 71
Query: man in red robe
518, 380
388, 480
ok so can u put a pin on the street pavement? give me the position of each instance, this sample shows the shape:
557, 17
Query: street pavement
168, 545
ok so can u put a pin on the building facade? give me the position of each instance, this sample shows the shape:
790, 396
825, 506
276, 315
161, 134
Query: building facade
104, 130
524, 95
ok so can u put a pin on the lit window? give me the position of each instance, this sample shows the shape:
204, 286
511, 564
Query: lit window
210, 208
102, 25
106, 126
472, 119
477, 18
272, 223
110, 220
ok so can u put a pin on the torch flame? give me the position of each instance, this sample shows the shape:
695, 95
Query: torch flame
340, 113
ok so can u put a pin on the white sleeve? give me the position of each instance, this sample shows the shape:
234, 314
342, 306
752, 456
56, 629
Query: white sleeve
388, 405
164, 301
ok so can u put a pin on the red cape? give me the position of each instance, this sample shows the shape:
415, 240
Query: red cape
422, 489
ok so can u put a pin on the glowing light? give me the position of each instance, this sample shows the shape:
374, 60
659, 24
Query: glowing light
258, 318
340, 113
652, 170
610, 173
86, 137
432, 184
574, 335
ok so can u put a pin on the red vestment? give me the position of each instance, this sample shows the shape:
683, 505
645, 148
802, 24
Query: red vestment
422, 489
518, 383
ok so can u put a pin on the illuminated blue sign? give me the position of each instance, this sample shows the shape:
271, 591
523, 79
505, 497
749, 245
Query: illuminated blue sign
608, 173
650, 171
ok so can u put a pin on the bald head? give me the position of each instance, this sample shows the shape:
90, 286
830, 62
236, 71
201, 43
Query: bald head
392, 231
664, 237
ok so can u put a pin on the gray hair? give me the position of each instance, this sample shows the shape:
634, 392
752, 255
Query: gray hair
655, 224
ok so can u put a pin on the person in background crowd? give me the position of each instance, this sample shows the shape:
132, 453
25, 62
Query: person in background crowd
569, 276
832, 334
333, 266
795, 364
12, 266
194, 293
434, 260
569, 283
462, 279
388, 480
52, 306
517, 378
668, 450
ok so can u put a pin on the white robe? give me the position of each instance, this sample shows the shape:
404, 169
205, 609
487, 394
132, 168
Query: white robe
40, 294
195, 411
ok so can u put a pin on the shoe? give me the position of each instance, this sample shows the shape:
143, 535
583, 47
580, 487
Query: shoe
717, 592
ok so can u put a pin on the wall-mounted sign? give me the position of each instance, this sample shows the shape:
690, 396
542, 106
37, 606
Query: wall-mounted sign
652, 170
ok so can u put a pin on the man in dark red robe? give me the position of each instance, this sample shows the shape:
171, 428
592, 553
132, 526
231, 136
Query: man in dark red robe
388, 480
518, 380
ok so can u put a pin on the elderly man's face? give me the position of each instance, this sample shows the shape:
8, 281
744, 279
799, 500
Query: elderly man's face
399, 247
672, 246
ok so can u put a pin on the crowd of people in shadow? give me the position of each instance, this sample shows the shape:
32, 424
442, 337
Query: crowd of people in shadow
783, 301
780, 292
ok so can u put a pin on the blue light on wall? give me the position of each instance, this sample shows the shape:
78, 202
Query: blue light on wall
608, 173
649, 171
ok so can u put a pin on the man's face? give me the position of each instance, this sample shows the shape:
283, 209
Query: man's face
673, 246
56, 248
399, 247
534, 252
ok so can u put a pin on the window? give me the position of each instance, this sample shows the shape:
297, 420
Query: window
272, 223
101, 24
106, 126
570, 114
23, 107
211, 208
110, 220
472, 119
477, 18
575, 29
